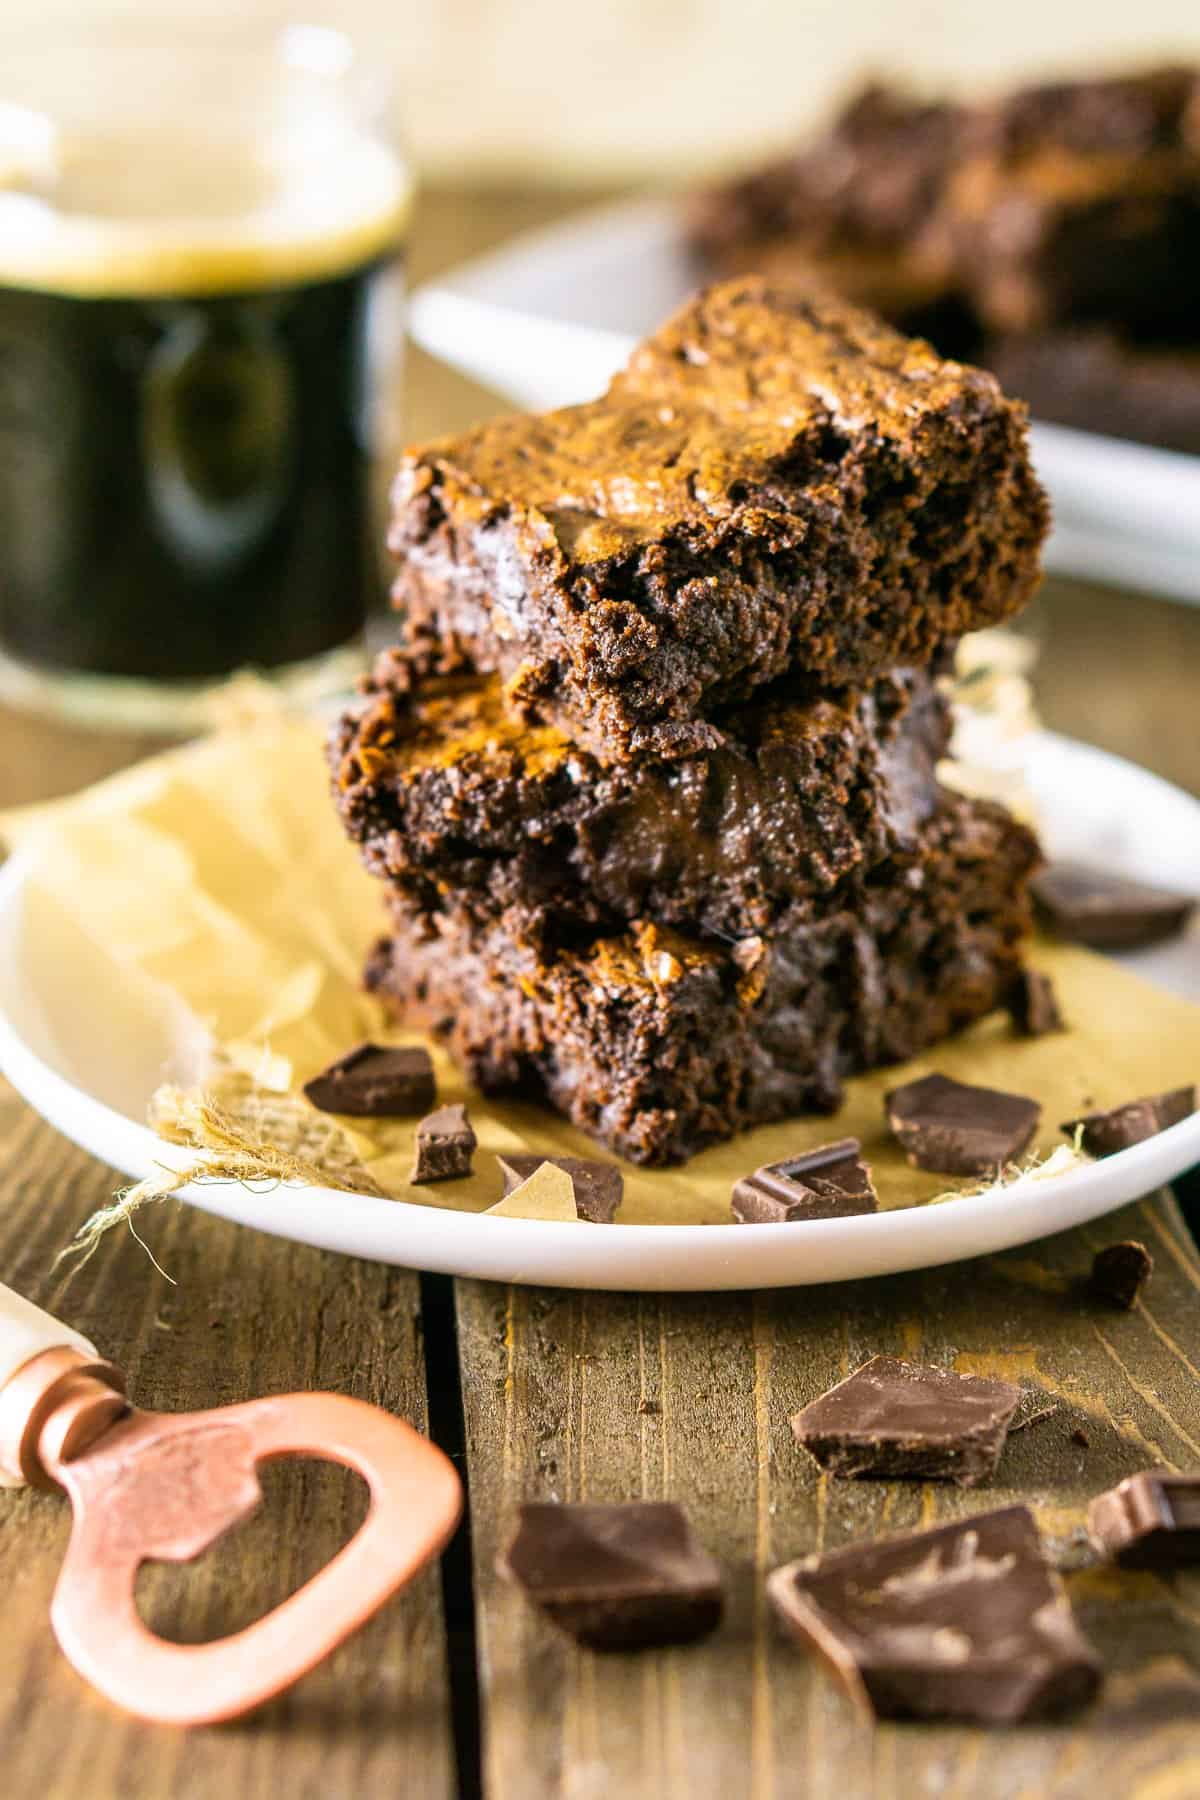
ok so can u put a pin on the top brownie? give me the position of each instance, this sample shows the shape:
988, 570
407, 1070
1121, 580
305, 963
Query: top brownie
776, 484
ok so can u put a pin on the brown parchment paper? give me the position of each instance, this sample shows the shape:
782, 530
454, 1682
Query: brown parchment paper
219, 874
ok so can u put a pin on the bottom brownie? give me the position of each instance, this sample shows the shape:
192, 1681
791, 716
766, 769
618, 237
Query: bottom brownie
657, 1044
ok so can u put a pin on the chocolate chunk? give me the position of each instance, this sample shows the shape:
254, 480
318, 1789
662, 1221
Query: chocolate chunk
1033, 1004
966, 1621
444, 1146
1148, 1521
616, 1577
959, 1130
599, 1187
1104, 1133
1079, 1436
375, 1081
1107, 912
1120, 1272
830, 1183
548, 1193
901, 1419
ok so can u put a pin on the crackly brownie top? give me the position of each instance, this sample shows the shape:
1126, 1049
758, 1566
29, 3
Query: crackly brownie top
748, 390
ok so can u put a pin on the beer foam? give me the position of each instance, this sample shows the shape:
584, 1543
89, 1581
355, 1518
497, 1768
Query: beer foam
161, 209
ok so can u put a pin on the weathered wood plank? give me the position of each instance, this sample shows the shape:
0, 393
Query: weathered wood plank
250, 1315
575, 1396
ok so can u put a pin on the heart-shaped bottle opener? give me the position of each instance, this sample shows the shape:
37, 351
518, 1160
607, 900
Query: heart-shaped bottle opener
164, 1486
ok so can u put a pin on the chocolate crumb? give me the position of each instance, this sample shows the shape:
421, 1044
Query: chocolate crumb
1079, 1436
1120, 1272
1033, 1005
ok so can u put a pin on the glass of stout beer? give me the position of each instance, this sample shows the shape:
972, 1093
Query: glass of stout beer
200, 253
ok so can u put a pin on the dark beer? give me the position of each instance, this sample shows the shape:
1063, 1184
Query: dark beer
186, 403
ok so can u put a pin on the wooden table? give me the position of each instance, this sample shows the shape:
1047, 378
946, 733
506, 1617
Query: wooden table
457, 1687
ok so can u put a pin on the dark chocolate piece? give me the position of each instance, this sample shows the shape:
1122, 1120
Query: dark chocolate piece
1104, 1133
905, 1420
616, 1577
960, 1130
657, 1043
966, 1621
1120, 1272
830, 1183
1034, 1004
1105, 911
599, 1187
1148, 1521
445, 1144
375, 1081
776, 485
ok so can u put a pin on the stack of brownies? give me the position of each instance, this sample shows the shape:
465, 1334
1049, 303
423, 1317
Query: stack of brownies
651, 780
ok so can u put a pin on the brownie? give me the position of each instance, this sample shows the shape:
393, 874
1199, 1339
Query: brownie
455, 801
1095, 380
856, 210
1081, 200
776, 484
1053, 236
658, 1043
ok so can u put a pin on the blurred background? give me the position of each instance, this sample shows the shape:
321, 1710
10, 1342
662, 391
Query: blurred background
502, 91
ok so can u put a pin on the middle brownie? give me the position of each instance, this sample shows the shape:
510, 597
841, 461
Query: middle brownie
454, 801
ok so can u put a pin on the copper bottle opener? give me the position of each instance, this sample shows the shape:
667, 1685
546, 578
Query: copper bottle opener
164, 1486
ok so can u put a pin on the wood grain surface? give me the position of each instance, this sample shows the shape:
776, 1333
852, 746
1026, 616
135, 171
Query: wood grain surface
247, 1315
687, 1398
554, 1384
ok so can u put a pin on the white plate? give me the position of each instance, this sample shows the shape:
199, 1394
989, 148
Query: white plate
63, 1046
550, 317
